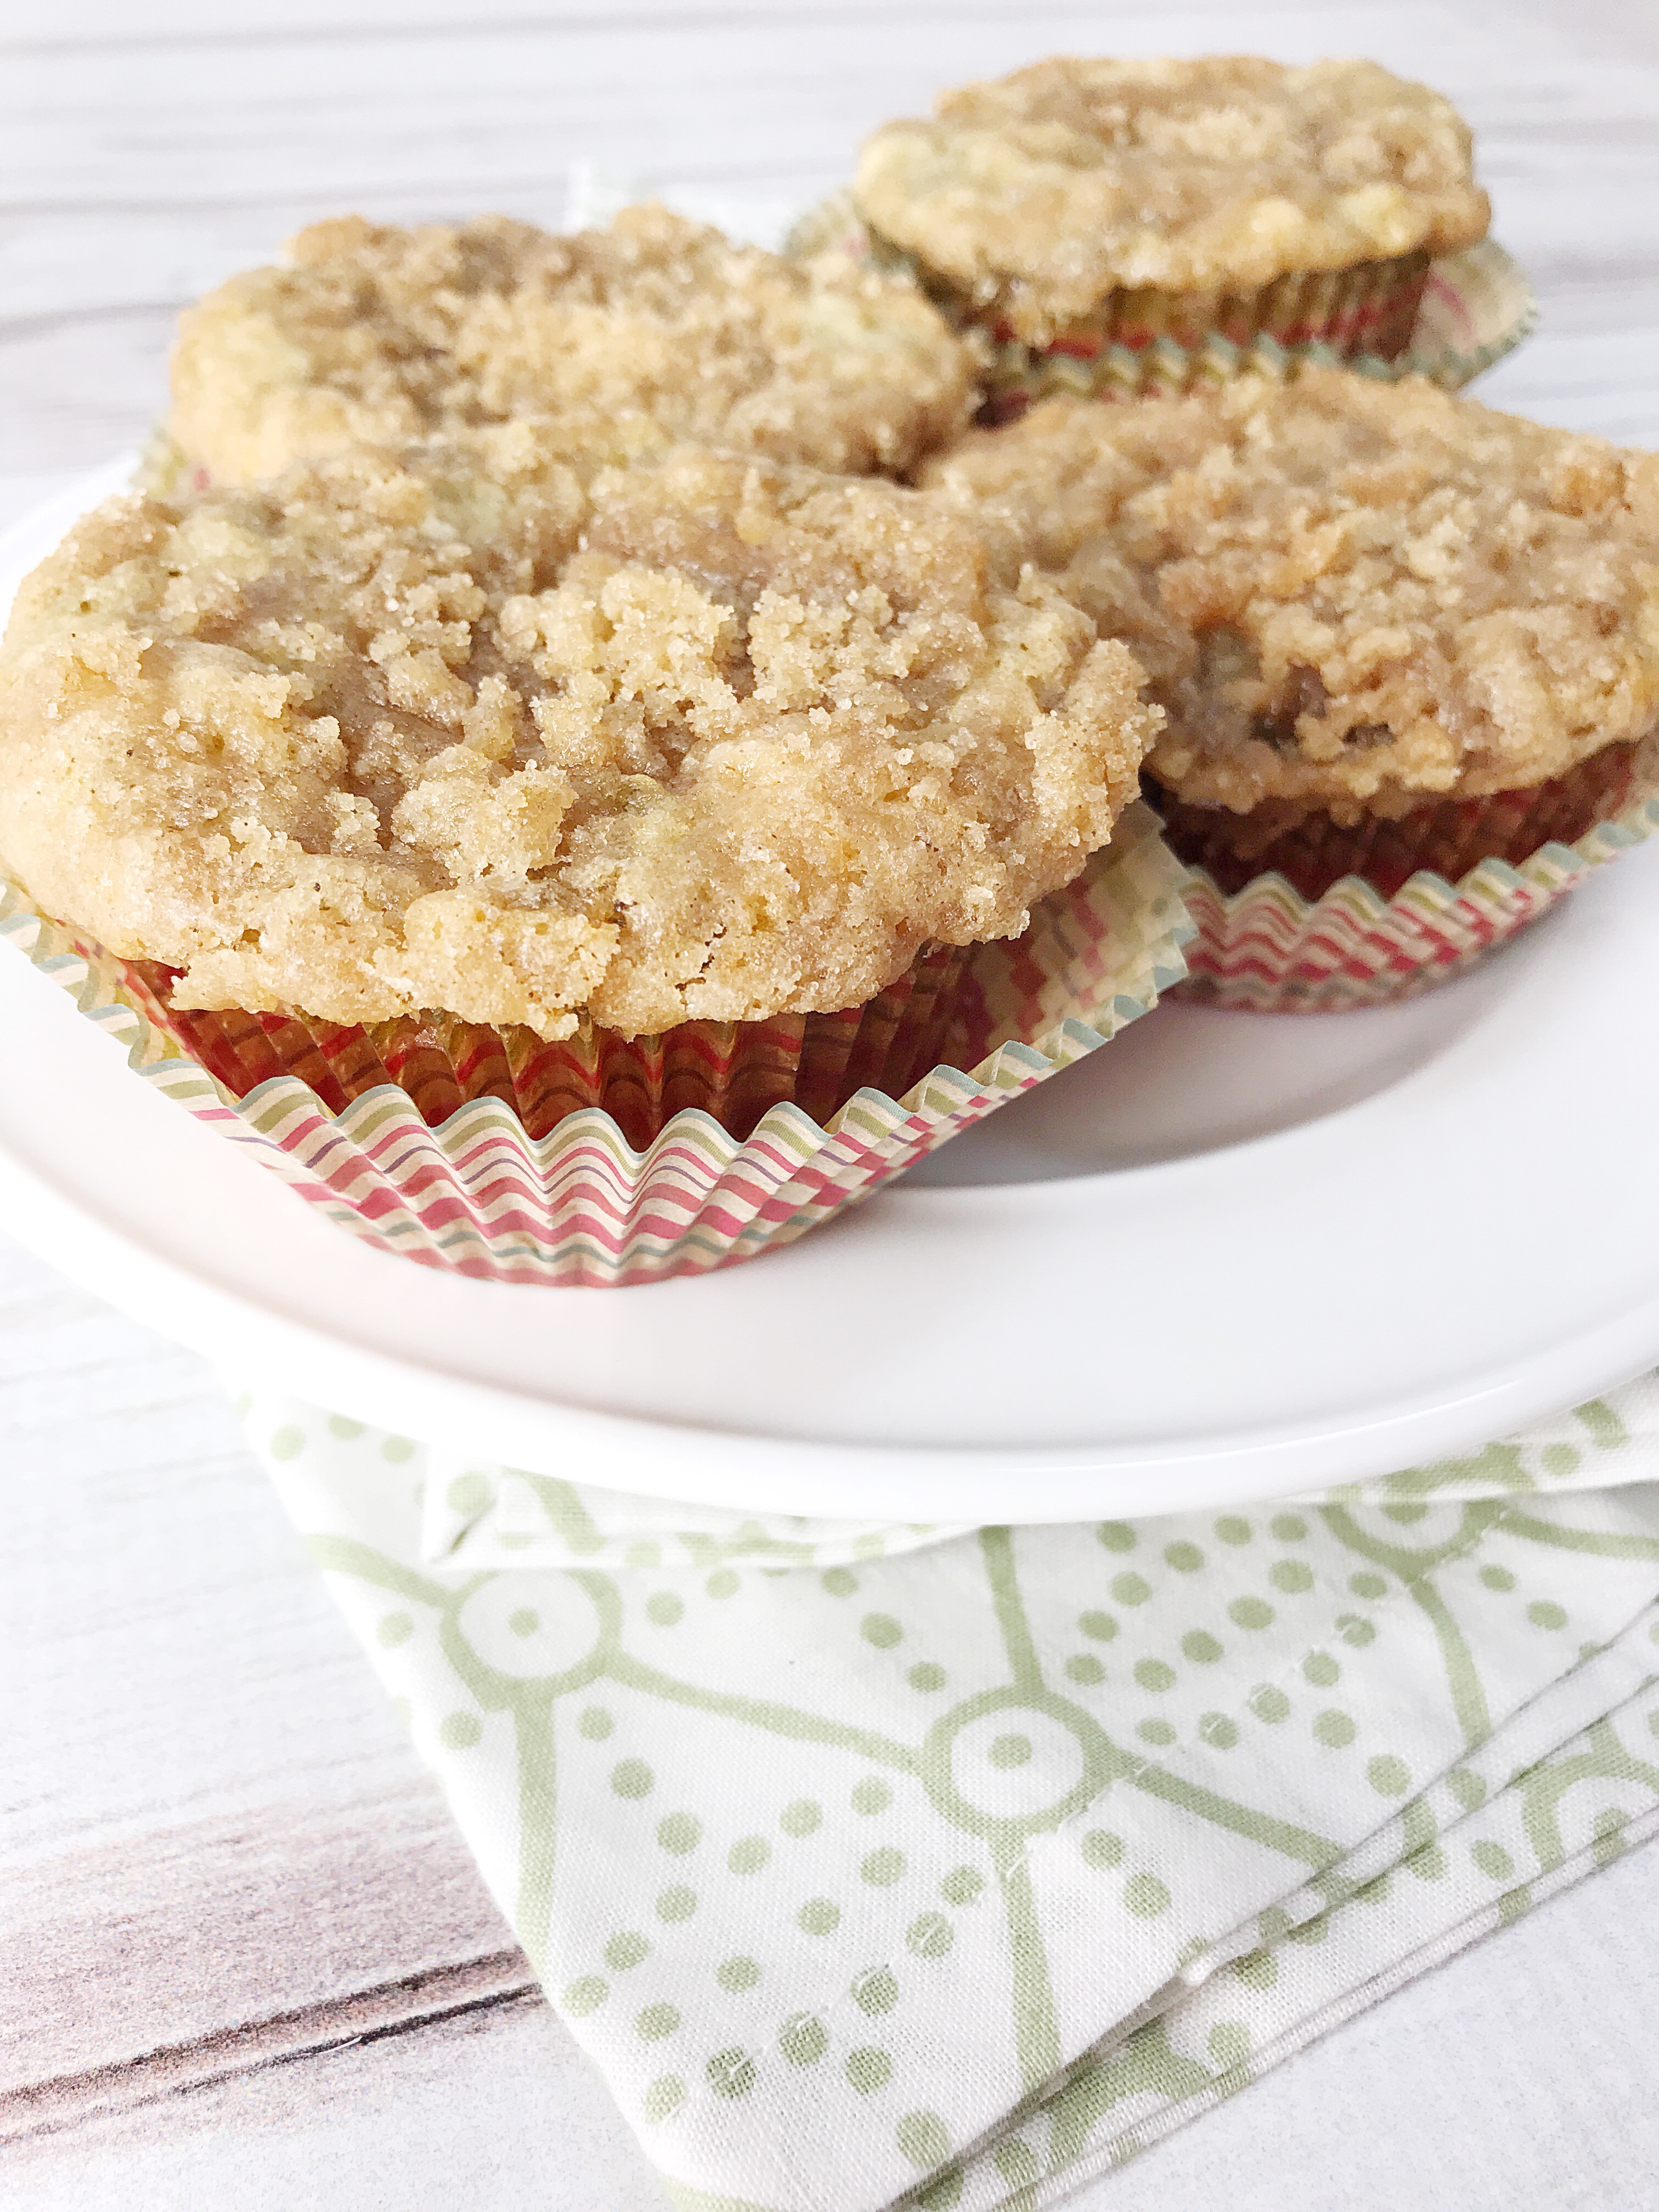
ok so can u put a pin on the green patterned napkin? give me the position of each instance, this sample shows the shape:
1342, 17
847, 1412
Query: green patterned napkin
945, 1868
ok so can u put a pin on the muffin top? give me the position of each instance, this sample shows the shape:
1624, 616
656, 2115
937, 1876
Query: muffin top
1038, 195
1349, 595
629, 337
449, 730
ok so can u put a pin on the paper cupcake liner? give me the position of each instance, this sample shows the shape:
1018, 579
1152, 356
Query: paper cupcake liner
579, 1206
1449, 319
1467, 311
1320, 920
1148, 343
734, 1072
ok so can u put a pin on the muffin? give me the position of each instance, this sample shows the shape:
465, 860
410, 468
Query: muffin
1391, 632
685, 785
1080, 206
621, 340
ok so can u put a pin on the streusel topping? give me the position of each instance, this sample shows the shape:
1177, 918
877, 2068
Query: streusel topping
1036, 195
650, 331
713, 738
1349, 595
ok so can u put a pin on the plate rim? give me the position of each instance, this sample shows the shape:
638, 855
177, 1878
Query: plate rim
696, 1463
691, 1460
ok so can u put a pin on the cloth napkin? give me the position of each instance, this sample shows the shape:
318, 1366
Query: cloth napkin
880, 1865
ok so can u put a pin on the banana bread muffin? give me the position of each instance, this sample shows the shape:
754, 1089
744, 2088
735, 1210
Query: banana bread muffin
1352, 598
624, 339
1082, 205
452, 731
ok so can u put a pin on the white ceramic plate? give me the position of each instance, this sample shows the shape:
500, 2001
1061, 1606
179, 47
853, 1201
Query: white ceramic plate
1230, 1255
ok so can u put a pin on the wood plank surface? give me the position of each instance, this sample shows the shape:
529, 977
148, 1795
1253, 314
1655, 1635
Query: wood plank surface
248, 1961
1420, 2103
200, 1856
139, 167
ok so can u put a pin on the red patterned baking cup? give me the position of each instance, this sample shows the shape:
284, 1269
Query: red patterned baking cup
1146, 344
733, 1071
1319, 919
1447, 320
478, 1194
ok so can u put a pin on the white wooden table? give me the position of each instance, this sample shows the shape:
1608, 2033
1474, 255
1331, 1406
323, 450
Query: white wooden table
247, 1961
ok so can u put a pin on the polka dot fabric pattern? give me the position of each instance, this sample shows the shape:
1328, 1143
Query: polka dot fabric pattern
947, 1868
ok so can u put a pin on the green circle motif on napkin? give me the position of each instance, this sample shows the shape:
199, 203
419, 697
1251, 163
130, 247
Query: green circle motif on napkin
877, 1865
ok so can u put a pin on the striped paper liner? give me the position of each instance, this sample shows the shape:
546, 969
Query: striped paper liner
1151, 344
579, 1207
1265, 948
1449, 319
734, 1071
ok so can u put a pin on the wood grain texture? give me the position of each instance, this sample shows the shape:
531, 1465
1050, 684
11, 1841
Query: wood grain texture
247, 1960
1416, 2105
147, 155
486, 2110
191, 1847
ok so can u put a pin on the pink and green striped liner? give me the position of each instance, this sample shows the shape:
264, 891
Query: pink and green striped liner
1266, 949
579, 1207
1450, 321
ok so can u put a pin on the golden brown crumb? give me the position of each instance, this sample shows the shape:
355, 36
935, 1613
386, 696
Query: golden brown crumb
1036, 195
628, 339
456, 732
1349, 595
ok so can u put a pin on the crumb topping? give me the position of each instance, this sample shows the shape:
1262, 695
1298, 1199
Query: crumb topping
1038, 195
1349, 595
648, 331
454, 731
